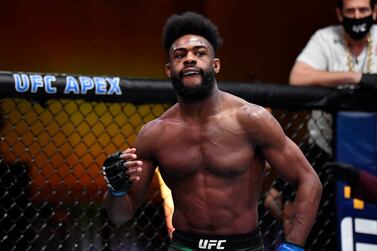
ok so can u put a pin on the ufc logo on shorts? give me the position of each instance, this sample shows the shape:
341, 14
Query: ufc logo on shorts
209, 244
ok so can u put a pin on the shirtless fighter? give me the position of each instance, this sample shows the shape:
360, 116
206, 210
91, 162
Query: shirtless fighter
211, 149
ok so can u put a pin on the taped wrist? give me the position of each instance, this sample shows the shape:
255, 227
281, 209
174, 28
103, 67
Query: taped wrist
117, 194
288, 246
114, 174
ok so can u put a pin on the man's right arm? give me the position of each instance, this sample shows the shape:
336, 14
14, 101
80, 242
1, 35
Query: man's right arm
140, 170
303, 74
122, 209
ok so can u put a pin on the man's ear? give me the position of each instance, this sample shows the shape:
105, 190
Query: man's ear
339, 15
217, 64
168, 70
374, 12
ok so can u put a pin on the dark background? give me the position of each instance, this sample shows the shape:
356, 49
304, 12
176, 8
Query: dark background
123, 37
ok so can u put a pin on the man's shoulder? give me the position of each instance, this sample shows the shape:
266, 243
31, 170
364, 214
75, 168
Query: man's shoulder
150, 135
252, 113
374, 30
329, 32
258, 122
161, 123
233, 101
239, 104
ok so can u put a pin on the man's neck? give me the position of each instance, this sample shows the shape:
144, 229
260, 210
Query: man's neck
201, 109
356, 46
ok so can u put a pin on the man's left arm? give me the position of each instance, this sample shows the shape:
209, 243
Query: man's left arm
290, 163
292, 166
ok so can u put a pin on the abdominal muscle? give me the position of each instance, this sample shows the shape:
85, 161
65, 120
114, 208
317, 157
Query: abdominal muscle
216, 206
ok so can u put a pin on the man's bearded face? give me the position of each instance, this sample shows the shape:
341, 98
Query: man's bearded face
196, 92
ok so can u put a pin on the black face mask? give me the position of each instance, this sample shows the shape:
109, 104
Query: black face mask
357, 28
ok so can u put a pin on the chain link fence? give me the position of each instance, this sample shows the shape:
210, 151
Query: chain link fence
51, 185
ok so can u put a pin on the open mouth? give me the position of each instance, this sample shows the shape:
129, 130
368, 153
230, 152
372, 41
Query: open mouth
190, 72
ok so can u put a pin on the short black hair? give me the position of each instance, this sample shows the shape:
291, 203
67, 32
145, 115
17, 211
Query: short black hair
339, 4
190, 23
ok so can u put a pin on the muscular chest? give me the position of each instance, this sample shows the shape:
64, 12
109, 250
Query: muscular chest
221, 150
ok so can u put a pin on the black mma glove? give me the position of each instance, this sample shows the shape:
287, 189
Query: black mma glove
113, 171
369, 80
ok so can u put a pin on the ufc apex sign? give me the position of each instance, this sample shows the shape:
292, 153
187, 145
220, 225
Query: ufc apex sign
212, 244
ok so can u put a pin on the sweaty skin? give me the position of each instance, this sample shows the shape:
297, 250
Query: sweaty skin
211, 154
211, 166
